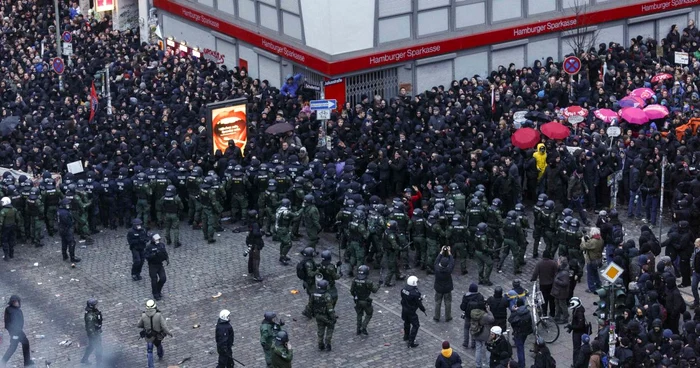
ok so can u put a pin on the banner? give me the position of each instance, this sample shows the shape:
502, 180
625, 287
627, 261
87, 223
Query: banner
227, 120
94, 104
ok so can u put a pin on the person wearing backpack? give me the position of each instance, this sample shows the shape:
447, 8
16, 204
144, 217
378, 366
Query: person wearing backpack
543, 357
153, 329
448, 358
521, 321
468, 302
306, 272
598, 358
486, 321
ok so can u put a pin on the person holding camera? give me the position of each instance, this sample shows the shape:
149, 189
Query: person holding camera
153, 329
444, 264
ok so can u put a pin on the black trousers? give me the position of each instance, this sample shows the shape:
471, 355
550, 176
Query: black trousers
21, 338
548, 300
254, 262
410, 325
68, 244
225, 358
137, 259
94, 344
7, 238
576, 339
157, 274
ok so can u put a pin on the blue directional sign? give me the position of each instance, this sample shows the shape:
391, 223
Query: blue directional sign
323, 104
67, 37
58, 65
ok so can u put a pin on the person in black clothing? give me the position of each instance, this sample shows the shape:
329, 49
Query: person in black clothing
156, 254
584, 352
411, 301
65, 229
14, 324
578, 326
137, 239
255, 244
499, 307
444, 264
542, 355
499, 347
224, 340
469, 300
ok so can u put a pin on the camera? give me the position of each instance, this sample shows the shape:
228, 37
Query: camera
245, 253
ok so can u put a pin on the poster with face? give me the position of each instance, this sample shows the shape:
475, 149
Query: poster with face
228, 122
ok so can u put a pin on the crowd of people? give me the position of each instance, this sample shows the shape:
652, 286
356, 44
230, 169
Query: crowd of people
423, 182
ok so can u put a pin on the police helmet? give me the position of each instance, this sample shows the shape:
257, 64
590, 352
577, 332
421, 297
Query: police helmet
299, 181
170, 189
358, 215
91, 303
142, 176
474, 202
350, 203
439, 207
481, 188
439, 189
542, 198
567, 212
238, 169
417, 212
449, 203
479, 195
362, 272
574, 223
392, 225
454, 187
34, 191
381, 208
481, 228
519, 207
456, 218
322, 285
433, 215
160, 171
269, 316
549, 205
326, 255
272, 184
308, 252
282, 337
375, 200
309, 199
567, 220
286, 203
263, 167
496, 202
512, 215
81, 183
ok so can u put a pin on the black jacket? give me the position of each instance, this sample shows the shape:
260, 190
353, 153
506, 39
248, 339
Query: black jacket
578, 320
14, 320
443, 275
137, 239
469, 301
500, 350
224, 335
411, 300
499, 307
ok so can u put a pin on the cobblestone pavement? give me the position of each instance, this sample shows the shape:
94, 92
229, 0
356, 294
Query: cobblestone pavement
54, 295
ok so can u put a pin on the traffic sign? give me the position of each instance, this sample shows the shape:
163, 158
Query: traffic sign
58, 66
612, 272
67, 37
323, 114
323, 104
572, 65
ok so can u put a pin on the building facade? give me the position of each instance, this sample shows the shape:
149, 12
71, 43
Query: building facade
370, 47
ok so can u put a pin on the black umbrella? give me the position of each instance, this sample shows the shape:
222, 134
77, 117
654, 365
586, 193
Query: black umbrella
279, 128
538, 115
8, 124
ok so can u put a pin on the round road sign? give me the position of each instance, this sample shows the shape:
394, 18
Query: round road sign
58, 65
67, 37
572, 65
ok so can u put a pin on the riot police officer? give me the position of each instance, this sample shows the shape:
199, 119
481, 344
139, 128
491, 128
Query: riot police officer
411, 301
390, 245
143, 191
361, 291
169, 208
194, 180
457, 236
514, 241
255, 244
52, 198
107, 195
475, 216
8, 223
330, 273
357, 235
324, 312
375, 226
268, 202
550, 220
124, 198
239, 186
34, 212
269, 328
484, 254
284, 217
138, 240
306, 272
312, 220
156, 254
434, 236
540, 223
65, 230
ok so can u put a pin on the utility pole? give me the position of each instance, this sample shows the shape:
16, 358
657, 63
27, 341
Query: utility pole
58, 40
109, 94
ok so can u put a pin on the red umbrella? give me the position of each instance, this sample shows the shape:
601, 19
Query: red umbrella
575, 111
525, 138
634, 115
555, 131
643, 93
655, 111
661, 77
606, 115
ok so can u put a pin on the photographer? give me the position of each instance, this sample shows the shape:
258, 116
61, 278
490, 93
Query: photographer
444, 264
592, 247
153, 329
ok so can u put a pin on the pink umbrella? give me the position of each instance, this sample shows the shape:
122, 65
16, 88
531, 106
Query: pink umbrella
634, 115
606, 115
575, 111
661, 77
631, 101
643, 93
656, 111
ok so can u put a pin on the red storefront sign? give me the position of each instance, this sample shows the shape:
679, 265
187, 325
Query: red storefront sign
388, 57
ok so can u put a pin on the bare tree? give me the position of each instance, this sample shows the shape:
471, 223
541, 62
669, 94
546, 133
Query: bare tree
581, 39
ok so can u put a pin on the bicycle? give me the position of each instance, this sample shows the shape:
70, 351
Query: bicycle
545, 327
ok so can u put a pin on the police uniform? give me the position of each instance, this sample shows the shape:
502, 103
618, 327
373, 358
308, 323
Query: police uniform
361, 290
